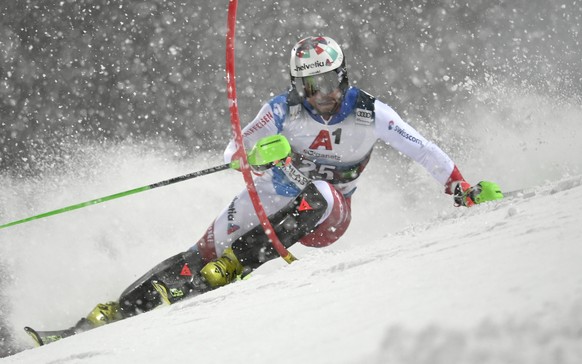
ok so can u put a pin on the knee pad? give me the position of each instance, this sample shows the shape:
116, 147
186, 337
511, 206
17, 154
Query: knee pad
297, 219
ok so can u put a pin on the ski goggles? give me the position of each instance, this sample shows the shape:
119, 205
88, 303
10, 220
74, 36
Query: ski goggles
325, 83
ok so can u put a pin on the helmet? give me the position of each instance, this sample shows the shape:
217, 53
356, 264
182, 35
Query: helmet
317, 55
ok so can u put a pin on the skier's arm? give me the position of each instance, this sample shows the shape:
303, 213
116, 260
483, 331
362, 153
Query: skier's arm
394, 131
262, 125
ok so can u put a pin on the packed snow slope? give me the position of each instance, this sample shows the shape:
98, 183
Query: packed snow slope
498, 283
414, 280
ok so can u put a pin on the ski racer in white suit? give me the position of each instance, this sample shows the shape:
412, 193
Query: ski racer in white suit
332, 129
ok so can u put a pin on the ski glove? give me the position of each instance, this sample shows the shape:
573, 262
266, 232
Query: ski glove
466, 195
269, 152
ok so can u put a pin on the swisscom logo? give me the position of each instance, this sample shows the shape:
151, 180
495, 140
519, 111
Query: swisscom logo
403, 133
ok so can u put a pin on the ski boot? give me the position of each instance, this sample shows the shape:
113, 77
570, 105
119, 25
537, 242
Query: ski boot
223, 270
102, 314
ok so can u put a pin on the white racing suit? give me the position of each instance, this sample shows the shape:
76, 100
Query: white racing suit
332, 153
307, 200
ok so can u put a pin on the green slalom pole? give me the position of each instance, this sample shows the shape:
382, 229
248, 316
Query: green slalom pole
185, 177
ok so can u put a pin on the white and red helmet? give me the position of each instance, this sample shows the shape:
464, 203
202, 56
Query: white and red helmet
315, 55
312, 56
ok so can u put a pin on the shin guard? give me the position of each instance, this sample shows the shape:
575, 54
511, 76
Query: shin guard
297, 219
179, 275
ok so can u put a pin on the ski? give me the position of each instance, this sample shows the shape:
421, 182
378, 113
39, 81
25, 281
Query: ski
46, 337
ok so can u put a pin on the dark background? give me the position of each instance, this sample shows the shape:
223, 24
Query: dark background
105, 70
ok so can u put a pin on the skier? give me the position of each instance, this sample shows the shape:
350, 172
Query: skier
330, 129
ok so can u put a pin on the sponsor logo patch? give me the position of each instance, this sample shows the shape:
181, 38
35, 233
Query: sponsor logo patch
295, 175
232, 228
316, 64
304, 205
364, 117
267, 118
403, 133
231, 213
186, 271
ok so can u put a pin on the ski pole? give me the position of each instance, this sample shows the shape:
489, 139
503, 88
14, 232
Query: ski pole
170, 181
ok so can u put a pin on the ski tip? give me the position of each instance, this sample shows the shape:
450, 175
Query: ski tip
34, 335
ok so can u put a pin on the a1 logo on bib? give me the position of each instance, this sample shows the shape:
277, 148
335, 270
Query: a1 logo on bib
364, 117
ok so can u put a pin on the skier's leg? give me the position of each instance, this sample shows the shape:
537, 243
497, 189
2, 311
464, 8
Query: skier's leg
178, 274
238, 218
335, 224
316, 217
297, 219
292, 217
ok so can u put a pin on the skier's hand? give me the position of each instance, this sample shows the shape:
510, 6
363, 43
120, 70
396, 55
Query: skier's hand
466, 195
259, 169
269, 152
236, 159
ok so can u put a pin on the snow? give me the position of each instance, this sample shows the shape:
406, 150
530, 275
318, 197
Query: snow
414, 280
497, 283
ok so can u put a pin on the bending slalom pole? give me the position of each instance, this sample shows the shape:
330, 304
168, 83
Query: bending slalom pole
237, 132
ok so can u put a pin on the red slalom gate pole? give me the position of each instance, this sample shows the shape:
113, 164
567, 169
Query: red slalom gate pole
237, 132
